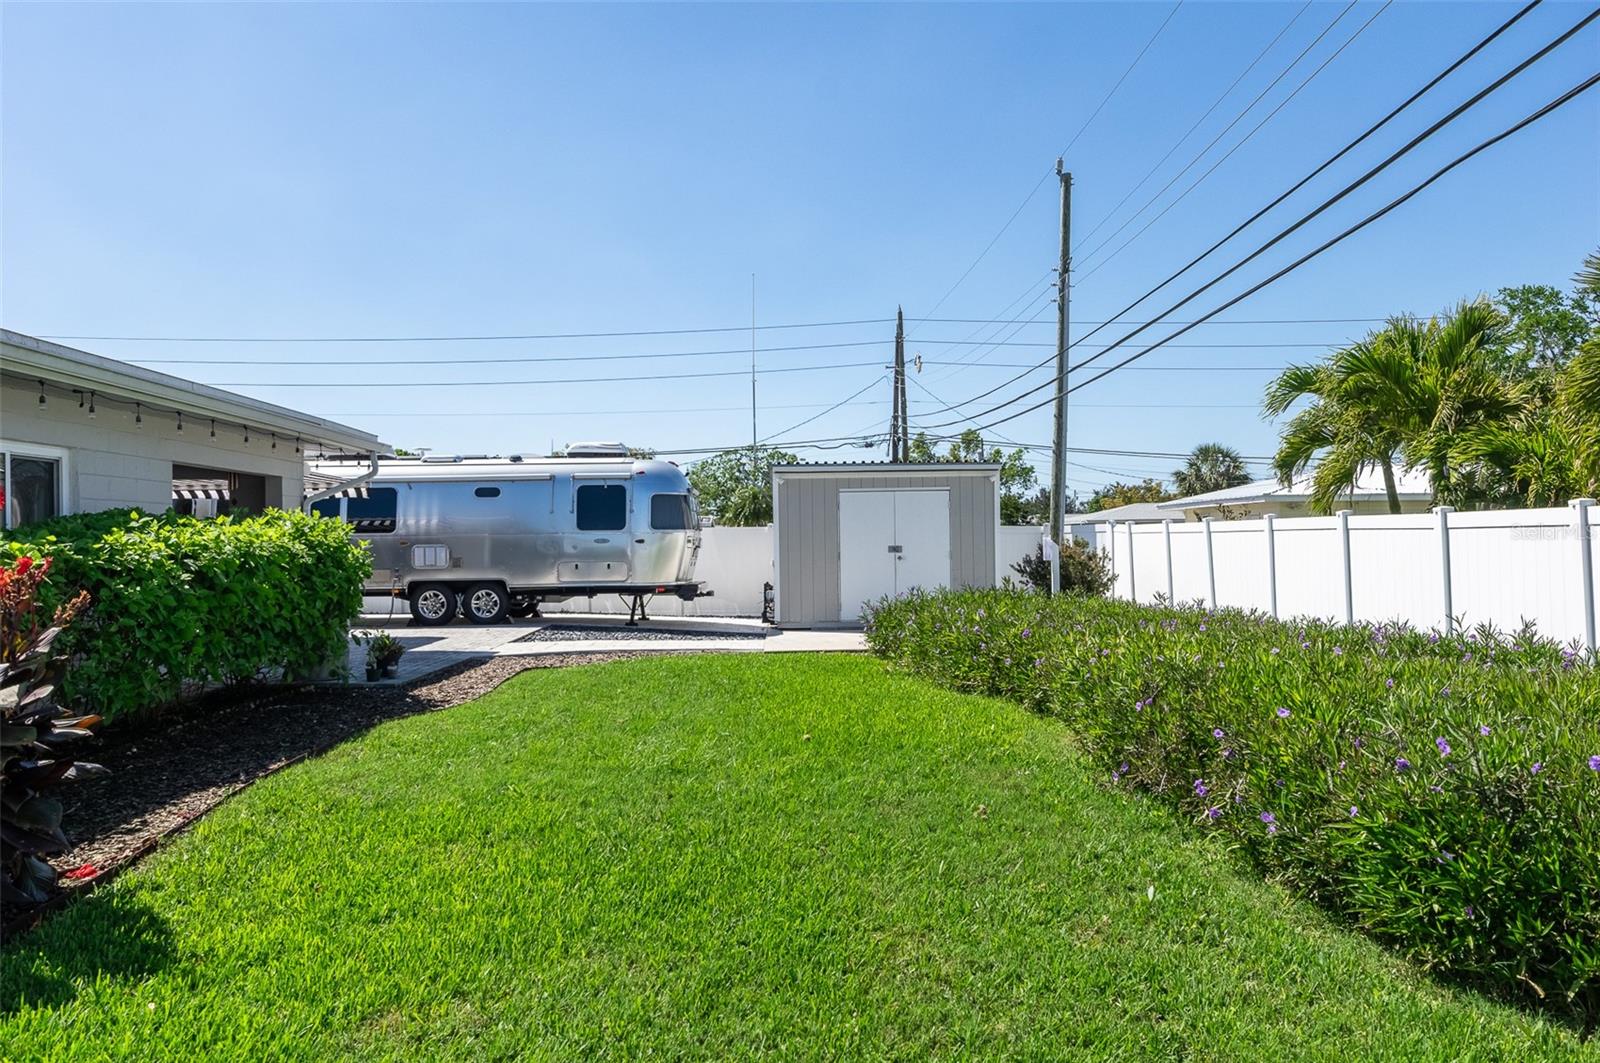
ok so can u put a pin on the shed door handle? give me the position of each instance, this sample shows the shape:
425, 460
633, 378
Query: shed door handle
897, 549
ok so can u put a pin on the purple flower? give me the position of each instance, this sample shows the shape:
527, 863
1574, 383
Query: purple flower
1202, 627
1274, 651
1268, 817
1227, 754
1594, 763
1356, 742
1341, 766
1483, 729
1444, 751
1338, 651
1027, 631
1402, 764
1538, 766
1283, 713
1213, 812
1446, 856
1445, 692
1305, 645
1388, 684
1200, 788
1217, 733
1354, 812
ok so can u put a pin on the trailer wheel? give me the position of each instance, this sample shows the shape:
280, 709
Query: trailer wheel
485, 603
433, 604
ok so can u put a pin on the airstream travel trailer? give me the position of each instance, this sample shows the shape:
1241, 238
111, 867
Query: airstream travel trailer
492, 537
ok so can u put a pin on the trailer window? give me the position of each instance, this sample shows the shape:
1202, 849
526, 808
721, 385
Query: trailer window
602, 507
373, 514
670, 513
487, 492
328, 507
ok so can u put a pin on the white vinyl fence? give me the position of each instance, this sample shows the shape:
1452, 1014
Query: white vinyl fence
1433, 570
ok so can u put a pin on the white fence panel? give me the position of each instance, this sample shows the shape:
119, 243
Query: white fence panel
1504, 568
1518, 564
1016, 542
1396, 570
1240, 551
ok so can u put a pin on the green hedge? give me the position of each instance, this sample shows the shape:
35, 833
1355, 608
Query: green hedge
180, 602
1442, 793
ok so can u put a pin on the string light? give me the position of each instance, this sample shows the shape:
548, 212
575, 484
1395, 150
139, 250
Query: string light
247, 435
91, 405
180, 420
297, 444
80, 400
274, 441
41, 393
138, 414
213, 428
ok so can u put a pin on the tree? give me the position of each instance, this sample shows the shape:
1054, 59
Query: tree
1401, 397
1112, 495
735, 490
1545, 327
1210, 467
1035, 508
1017, 475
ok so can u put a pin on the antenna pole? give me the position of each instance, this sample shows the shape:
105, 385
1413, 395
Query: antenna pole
755, 474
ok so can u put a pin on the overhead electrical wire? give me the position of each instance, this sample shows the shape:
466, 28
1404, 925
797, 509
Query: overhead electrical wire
1201, 120
1325, 205
1089, 255
876, 363
1459, 160
1046, 176
1465, 57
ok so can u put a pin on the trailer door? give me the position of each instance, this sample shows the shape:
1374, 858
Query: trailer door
597, 551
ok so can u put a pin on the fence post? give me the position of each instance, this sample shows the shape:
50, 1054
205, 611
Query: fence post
1211, 563
1443, 513
1166, 534
1111, 541
1580, 514
1344, 548
1272, 562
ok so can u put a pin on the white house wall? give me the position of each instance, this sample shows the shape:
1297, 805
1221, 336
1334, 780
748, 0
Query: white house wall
114, 463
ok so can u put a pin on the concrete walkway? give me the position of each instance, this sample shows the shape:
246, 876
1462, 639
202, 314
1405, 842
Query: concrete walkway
430, 649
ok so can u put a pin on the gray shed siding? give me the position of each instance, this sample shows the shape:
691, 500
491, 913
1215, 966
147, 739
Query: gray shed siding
807, 517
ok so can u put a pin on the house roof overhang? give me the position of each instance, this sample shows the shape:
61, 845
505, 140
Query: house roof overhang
68, 368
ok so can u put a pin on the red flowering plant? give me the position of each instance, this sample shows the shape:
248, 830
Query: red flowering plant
34, 733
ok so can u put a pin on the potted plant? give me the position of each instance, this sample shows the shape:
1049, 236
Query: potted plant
383, 654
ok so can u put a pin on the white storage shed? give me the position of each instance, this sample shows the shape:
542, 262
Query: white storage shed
847, 534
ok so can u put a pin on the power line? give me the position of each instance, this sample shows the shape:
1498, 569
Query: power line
1270, 115
1199, 121
1325, 205
1560, 101
507, 383
842, 402
1040, 183
462, 339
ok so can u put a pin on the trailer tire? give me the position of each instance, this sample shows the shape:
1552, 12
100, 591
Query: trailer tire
485, 603
433, 604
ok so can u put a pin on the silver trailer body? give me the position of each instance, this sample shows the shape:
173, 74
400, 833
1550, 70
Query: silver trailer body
462, 530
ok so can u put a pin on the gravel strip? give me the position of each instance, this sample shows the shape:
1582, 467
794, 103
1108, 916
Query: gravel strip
580, 633
169, 770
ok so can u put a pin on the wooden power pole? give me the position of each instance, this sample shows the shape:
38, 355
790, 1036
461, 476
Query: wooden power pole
1058, 459
899, 447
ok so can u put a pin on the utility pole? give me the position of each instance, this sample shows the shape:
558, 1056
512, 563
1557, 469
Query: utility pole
898, 446
1058, 462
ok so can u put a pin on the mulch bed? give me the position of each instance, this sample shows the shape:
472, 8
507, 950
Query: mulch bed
168, 770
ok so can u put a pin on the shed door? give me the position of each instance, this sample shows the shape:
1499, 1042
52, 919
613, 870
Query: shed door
890, 542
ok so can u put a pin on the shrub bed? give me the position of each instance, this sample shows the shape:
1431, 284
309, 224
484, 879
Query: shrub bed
1440, 792
178, 603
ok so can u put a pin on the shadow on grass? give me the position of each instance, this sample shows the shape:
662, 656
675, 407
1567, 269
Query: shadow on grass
110, 934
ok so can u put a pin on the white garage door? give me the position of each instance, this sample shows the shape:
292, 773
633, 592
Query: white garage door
890, 542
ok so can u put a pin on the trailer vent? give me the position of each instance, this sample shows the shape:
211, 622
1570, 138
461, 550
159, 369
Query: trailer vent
597, 450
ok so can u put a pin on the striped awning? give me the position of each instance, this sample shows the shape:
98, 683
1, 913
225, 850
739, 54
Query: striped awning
192, 489
317, 482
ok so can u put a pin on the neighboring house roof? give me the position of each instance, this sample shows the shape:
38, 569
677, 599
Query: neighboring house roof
1133, 512
888, 466
1411, 485
112, 381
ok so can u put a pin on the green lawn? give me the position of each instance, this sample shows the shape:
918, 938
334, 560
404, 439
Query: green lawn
717, 856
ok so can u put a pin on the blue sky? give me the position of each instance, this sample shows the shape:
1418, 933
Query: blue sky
388, 170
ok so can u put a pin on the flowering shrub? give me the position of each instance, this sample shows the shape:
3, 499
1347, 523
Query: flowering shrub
179, 602
1441, 792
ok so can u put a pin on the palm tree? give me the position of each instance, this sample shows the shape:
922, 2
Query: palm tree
1401, 397
1588, 278
1210, 467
